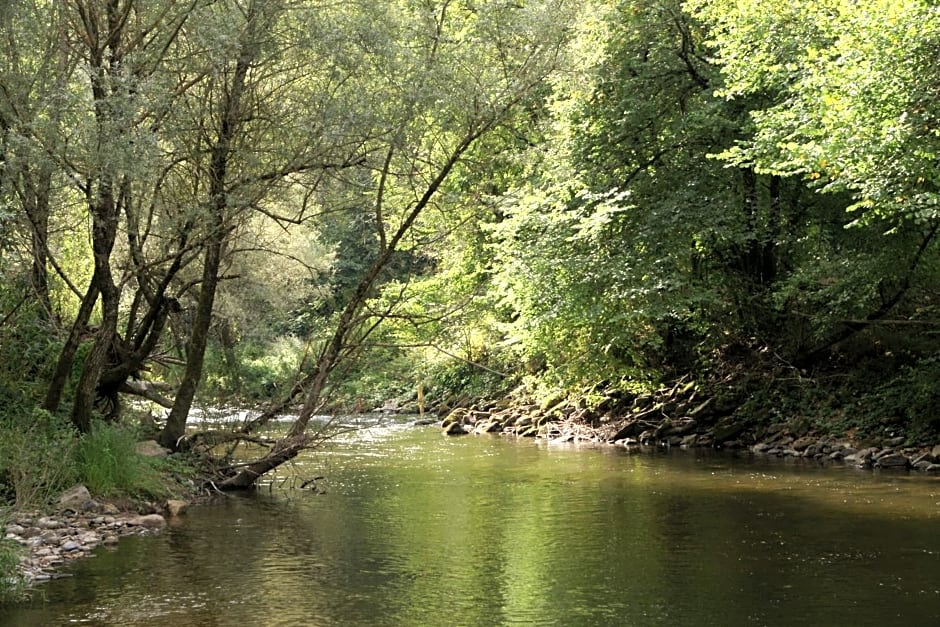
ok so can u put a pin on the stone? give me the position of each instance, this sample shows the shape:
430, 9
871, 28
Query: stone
151, 448
812, 450
935, 451
74, 497
893, 460
883, 453
49, 536
70, 545
728, 431
926, 457
932, 468
453, 428
149, 521
803, 443
175, 507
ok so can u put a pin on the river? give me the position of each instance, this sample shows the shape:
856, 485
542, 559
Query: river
411, 528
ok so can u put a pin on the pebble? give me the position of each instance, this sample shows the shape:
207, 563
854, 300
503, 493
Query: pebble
53, 540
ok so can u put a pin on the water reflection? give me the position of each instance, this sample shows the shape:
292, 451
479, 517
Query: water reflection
416, 529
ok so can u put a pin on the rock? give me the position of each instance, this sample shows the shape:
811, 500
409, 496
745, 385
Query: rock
935, 451
812, 450
49, 523
74, 497
528, 432
803, 443
89, 539
151, 448
892, 460
761, 447
883, 453
70, 545
728, 431
49, 536
91, 506
148, 521
453, 428
932, 468
175, 507
926, 457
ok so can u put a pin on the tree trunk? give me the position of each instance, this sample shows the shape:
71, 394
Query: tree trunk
229, 127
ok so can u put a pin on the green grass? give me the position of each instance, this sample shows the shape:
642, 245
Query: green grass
109, 465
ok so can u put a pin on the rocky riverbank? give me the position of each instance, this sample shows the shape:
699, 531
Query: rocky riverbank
79, 525
678, 416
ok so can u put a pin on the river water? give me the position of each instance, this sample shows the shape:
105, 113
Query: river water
412, 528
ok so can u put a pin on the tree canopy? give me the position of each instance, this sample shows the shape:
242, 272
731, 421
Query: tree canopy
308, 205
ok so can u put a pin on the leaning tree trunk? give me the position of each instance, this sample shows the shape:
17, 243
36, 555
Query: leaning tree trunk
314, 384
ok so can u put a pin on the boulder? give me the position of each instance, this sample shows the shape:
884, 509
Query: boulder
893, 460
151, 448
729, 430
74, 498
453, 428
801, 444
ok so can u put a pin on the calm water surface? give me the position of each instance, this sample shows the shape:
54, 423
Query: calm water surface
418, 529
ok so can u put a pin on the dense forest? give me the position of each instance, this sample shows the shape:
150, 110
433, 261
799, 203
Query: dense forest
305, 206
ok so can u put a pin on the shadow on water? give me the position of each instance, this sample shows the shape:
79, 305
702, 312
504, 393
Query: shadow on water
415, 529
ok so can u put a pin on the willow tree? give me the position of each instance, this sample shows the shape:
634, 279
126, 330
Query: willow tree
440, 77
107, 140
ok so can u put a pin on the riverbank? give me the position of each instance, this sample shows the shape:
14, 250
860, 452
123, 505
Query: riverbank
77, 525
686, 415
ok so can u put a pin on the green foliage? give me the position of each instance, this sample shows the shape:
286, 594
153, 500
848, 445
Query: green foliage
36, 456
108, 463
851, 95
253, 371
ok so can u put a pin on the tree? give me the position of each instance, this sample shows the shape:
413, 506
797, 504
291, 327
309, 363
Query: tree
466, 70
848, 107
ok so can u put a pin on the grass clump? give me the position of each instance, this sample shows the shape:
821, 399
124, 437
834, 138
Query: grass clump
36, 458
12, 586
109, 464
